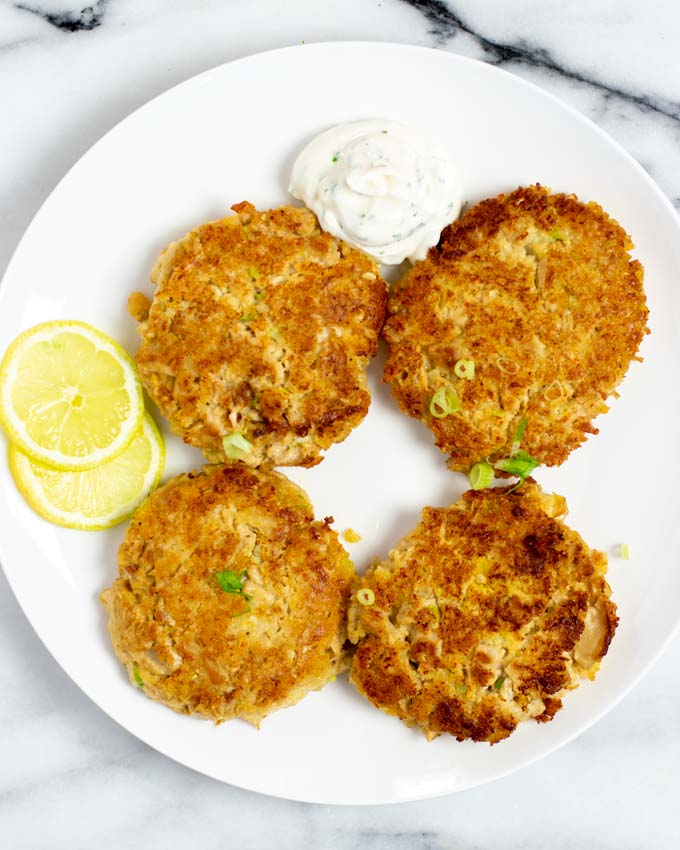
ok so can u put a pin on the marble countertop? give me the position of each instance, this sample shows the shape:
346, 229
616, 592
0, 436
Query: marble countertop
69, 776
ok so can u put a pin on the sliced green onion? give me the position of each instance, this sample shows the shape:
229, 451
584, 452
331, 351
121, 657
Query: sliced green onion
231, 581
520, 464
444, 402
625, 552
481, 475
259, 296
554, 391
365, 596
517, 439
465, 369
137, 676
519, 433
557, 235
248, 317
253, 273
498, 684
235, 446
508, 365
461, 689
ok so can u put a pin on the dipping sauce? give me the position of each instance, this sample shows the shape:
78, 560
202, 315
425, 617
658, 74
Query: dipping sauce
383, 187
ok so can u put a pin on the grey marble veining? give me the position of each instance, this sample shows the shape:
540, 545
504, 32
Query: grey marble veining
69, 776
67, 17
598, 83
448, 21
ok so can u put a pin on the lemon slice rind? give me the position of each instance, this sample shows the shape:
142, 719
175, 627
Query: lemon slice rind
15, 426
38, 483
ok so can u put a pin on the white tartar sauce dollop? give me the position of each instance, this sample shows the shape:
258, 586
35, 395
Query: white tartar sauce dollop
384, 187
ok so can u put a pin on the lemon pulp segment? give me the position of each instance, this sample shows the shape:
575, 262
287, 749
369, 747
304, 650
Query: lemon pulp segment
98, 497
70, 397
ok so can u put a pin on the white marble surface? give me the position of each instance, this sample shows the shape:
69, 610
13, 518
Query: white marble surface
69, 776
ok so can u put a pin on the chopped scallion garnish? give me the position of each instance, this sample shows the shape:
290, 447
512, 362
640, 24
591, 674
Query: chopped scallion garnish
557, 235
519, 433
520, 464
481, 475
498, 684
508, 365
137, 676
235, 446
465, 369
554, 392
248, 317
232, 582
625, 551
365, 596
444, 402
517, 439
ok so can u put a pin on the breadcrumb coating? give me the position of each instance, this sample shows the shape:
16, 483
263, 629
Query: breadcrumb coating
537, 289
484, 616
261, 325
202, 650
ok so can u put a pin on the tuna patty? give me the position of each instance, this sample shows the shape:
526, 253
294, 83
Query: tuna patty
484, 616
231, 600
537, 295
262, 327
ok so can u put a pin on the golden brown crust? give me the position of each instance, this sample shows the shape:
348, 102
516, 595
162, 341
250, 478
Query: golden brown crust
195, 647
540, 291
263, 324
483, 616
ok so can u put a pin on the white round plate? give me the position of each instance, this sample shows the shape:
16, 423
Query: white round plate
231, 134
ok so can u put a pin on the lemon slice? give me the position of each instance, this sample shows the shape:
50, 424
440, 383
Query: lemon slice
70, 397
92, 499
